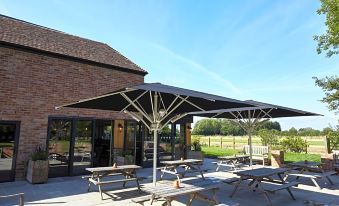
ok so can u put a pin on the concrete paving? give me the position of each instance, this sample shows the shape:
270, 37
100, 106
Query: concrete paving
67, 191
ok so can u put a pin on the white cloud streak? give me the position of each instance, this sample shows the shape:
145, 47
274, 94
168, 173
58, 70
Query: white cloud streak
215, 76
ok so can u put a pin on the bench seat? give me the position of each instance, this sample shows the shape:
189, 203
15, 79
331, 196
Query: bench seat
282, 187
141, 199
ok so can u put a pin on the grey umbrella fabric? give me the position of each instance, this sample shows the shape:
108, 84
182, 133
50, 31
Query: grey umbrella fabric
156, 105
249, 118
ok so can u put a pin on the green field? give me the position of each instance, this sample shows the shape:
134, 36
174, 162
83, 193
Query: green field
214, 152
241, 140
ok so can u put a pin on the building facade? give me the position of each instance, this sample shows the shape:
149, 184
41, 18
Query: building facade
41, 68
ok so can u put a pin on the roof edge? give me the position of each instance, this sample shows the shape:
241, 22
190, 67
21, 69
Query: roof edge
58, 55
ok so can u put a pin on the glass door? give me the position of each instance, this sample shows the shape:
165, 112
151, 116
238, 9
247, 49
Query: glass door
130, 141
82, 152
9, 135
102, 143
59, 142
165, 144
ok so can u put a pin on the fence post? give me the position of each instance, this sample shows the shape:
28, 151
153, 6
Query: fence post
209, 141
233, 142
221, 142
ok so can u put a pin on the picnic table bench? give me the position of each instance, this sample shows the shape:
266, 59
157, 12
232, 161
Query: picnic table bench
180, 168
259, 175
234, 162
312, 171
258, 152
20, 195
128, 172
167, 192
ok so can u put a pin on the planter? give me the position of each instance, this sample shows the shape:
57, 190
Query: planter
195, 155
37, 171
127, 160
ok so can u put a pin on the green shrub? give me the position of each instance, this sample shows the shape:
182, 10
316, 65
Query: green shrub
39, 154
294, 144
269, 137
196, 146
333, 138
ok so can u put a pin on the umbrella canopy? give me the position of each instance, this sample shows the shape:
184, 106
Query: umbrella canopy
156, 105
249, 118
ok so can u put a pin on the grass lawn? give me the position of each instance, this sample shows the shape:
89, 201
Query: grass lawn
289, 156
217, 151
296, 157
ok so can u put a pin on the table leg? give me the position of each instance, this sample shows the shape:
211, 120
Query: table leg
329, 179
99, 186
315, 183
219, 165
236, 187
192, 196
281, 178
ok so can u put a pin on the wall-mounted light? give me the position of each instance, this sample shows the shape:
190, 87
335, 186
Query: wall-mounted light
189, 127
120, 127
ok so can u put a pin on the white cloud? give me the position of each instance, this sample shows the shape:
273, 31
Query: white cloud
4, 10
215, 76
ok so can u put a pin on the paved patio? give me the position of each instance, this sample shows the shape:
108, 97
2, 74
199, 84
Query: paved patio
73, 191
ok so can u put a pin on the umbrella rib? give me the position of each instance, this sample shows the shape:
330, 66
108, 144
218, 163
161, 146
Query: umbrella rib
134, 100
150, 96
177, 96
191, 103
163, 104
136, 106
176, 106
136, 117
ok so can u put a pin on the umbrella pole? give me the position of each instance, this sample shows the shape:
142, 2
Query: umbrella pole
250, 145
155, 152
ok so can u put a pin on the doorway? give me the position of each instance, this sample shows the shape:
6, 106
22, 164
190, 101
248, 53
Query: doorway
9, 139
103, 138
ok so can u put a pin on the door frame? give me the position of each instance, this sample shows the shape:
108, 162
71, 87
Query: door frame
16, 146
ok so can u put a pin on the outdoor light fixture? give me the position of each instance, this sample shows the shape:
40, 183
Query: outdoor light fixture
162, 112
189, 127
120, 127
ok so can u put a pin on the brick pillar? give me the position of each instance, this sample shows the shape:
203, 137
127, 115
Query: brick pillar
277, 158
327, 161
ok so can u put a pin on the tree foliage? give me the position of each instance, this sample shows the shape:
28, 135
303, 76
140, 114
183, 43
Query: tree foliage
226, 127
269, 137
330, 85
329, 41
294, 144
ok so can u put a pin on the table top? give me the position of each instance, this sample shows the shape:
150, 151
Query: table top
113, 169
262, 172
305, 164
166, 188
233, 157
178, 162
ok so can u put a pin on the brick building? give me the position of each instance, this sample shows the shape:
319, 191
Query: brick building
41, 68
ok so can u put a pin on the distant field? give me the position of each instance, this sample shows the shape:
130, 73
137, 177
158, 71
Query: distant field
316, 144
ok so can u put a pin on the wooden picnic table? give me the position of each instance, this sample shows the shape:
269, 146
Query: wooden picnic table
312, 171
166, 191
128, 172
180, 167
257, 176
233, 162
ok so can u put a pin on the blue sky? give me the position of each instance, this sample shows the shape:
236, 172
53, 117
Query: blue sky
254, 49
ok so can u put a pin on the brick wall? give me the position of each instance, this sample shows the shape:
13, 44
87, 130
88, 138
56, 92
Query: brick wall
31, 84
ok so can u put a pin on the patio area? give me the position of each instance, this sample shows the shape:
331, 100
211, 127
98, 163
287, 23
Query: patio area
73, 191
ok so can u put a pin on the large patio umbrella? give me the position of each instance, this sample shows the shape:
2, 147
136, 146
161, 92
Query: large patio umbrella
156, 105
250, 118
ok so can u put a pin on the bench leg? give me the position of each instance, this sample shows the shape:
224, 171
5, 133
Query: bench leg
217, 169
236, 187
21, 200
329, 180
315, 183
99, 186
290, 192
168, 201
138, 185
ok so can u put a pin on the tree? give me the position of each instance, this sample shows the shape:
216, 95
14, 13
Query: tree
330, 85
270, 125
269, 137
207, 127
329, 42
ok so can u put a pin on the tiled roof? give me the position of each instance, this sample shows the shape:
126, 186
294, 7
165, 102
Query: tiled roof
30, 35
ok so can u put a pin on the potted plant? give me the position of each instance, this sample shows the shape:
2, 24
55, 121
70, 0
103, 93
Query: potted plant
195, 152
125, 158
37, 170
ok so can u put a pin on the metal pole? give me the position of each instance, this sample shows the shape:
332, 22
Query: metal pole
249, 130
155, 136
